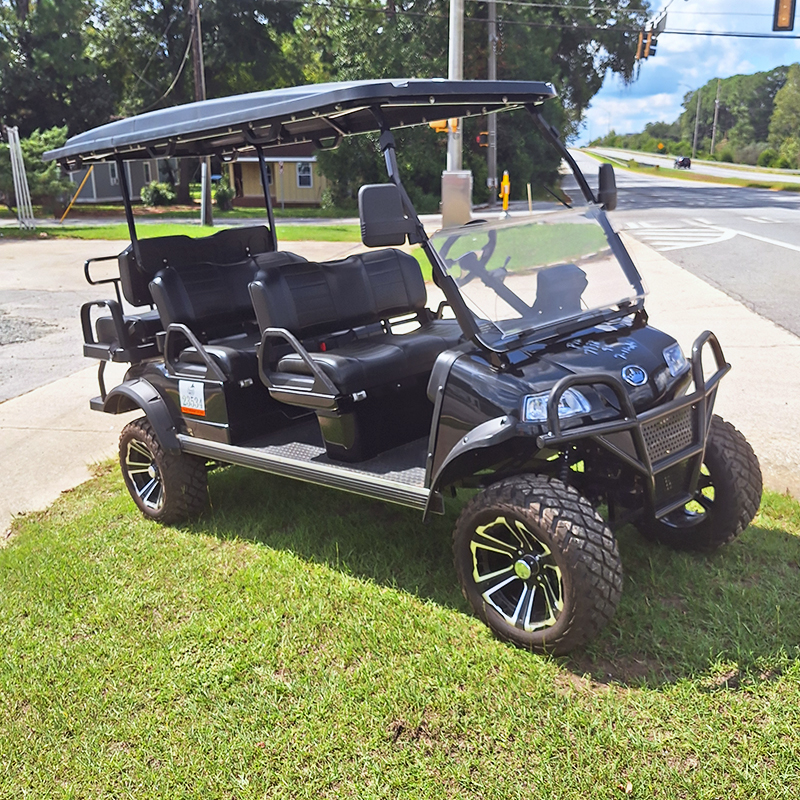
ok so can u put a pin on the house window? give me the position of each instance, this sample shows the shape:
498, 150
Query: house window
112, 174
303, 174
147, 176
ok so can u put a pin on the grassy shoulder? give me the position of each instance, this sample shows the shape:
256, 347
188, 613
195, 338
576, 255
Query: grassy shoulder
303, 642
119, 231
632, 165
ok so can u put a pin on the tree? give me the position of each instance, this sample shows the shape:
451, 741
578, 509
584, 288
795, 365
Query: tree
47, 184
784, 127
569, 46
46, 75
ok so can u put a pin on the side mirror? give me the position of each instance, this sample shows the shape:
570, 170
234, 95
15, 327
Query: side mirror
383, 221
607, 187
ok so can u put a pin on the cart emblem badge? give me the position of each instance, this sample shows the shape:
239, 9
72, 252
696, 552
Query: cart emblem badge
634, 375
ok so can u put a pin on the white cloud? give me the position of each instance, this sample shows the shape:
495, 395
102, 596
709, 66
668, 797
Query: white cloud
684, 63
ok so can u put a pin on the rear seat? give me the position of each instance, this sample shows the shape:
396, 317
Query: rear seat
358, 293
213, 301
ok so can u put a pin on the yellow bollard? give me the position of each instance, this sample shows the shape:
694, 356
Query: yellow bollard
505, 191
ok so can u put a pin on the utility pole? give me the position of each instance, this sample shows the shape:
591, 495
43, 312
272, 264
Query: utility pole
455, 72
696, 125
716, 115
491, 181
206, 216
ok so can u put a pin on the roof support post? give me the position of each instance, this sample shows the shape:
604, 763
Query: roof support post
126, 201
262, 165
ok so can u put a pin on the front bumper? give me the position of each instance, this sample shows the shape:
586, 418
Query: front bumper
665, 445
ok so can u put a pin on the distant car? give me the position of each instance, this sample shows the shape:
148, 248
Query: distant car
683, 162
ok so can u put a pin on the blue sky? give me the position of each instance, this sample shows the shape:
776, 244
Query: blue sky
684, 63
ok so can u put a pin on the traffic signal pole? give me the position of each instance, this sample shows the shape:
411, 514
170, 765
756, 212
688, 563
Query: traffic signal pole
491, 156
455, 72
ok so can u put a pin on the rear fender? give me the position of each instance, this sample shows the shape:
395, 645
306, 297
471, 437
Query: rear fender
141, 394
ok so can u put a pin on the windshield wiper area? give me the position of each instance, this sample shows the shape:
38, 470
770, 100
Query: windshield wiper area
560, 200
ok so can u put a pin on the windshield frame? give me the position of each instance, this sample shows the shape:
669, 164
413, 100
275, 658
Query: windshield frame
493, 337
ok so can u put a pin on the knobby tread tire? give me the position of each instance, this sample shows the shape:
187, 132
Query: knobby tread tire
184, 477
737, 481
584, 548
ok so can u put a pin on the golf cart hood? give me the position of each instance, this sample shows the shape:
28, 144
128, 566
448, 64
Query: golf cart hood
320, 114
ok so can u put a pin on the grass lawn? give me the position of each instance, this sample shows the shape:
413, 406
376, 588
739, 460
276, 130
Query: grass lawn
119, 231
299, 642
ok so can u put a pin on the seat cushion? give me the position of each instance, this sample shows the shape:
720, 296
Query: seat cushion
140, 327
354, 367
235, 355
380, 360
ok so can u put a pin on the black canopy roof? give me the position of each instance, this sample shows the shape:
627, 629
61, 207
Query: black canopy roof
320, 114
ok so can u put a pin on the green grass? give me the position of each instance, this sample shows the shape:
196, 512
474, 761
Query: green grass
119, 231
685, 175
305, 643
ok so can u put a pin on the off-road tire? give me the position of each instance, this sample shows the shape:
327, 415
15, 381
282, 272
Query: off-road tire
583, 558
166, 487
731, 468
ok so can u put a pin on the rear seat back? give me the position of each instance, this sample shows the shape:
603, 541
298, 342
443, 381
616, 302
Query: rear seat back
224, 247
315, 298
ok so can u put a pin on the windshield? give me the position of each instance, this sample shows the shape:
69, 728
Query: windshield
522, 275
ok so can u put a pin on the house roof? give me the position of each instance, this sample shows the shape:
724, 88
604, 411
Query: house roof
319, 114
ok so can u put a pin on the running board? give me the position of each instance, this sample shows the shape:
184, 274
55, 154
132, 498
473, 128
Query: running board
347, 479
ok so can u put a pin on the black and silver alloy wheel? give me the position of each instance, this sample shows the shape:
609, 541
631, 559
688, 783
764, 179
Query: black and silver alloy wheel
727, 497
140, 466
517, 574
537, 563
167, 487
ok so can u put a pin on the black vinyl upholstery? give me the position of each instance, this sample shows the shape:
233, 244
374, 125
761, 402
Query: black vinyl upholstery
213, 301
312, 299
224, 247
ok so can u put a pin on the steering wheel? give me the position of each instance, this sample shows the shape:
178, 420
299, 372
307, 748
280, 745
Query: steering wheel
473, 263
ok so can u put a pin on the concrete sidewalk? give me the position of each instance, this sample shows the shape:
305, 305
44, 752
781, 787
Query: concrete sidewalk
49, 439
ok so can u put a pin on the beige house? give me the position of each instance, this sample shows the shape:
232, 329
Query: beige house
294, 181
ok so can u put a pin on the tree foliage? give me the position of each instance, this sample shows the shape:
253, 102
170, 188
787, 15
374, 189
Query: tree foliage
47, 74
751, 116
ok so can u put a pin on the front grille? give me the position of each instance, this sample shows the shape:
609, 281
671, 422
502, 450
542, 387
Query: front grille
667, 435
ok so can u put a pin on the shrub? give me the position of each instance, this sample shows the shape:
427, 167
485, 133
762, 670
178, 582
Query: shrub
768, 157
224, 194
158, 194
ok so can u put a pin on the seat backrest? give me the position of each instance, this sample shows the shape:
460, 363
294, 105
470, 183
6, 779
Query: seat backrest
224, 247
211, 299
312, 298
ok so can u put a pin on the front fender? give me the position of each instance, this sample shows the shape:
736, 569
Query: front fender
488, 434
139, 393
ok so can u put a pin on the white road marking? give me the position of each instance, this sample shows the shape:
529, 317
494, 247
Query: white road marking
760, 220
666, 238
769, 241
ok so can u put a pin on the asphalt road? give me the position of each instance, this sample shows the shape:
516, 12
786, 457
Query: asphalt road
705, 167
745, 242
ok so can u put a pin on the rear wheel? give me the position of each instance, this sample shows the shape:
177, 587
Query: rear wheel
727, 498
166, 487
537, 563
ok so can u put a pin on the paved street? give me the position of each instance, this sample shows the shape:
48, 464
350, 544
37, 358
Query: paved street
745, 242
705, 167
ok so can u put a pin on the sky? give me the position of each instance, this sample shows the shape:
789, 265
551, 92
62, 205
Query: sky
684, 63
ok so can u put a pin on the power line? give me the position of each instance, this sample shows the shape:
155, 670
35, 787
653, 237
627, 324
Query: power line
559, 25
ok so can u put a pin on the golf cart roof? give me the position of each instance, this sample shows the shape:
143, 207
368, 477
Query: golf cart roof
320, 114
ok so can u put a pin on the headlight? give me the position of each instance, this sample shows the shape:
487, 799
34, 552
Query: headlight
572, 402
676, 360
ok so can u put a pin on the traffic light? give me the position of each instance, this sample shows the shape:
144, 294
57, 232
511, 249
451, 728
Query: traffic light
783, 20
639, 46
445, 125
482, 139
650, 45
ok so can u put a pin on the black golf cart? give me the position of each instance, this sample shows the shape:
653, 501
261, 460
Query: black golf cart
526, 370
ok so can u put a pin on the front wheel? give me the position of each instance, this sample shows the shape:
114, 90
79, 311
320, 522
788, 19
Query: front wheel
537, 563
726, 500
166, 487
